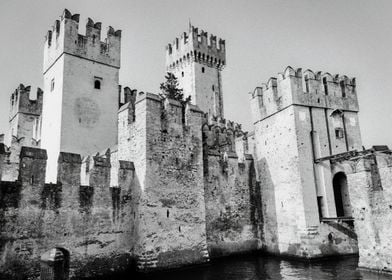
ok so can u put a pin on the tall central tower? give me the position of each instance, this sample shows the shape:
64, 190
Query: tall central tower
197, 62
81, 75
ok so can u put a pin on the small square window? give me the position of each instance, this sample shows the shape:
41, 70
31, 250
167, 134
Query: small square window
339, 133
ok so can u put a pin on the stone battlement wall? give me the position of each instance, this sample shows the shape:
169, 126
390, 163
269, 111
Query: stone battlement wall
163, 138
64, 38
234, 216
94, 223
221, 135
21, 101
309, 89
195, 46
369, 180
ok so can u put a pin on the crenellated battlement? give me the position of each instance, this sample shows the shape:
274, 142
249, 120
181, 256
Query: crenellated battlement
173, 115
64, 38
82, 170
195, 45
221, 136
23, 101
307, 88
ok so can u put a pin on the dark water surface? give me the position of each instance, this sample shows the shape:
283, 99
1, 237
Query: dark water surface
266, 267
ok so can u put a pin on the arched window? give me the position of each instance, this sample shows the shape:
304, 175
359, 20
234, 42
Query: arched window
97, 84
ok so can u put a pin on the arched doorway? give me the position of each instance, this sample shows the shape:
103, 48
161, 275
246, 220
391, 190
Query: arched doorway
342, 198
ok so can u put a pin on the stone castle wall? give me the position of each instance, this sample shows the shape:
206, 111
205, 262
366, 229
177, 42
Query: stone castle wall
163, 138
179, 189
180, 170
232, 197
369, 179
94, 223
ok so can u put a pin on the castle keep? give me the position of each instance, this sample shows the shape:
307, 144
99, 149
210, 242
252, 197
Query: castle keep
112, 178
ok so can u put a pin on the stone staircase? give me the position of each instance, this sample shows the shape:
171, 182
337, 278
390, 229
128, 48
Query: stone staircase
344, 227
309, 233
149, 260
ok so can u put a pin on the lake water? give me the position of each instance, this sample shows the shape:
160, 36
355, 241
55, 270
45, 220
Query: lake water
265, 267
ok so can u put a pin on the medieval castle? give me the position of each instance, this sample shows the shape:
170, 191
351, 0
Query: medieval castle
107, 178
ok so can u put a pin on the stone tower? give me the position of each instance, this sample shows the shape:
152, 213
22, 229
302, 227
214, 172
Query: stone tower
25, 117
24, 128
299, 120
81, 75
197, 62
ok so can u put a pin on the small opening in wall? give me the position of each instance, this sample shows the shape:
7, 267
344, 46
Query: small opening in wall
320, 206
97, 84
32, 180
325, 85
339, 133
213, 88
182, 73
167, 213
307, 83
343, 88
202, 70
179, 229
52, 85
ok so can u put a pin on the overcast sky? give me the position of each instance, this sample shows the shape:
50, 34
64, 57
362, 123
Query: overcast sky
262, 38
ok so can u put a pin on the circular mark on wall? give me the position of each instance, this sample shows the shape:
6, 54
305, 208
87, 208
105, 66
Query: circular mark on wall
86, 111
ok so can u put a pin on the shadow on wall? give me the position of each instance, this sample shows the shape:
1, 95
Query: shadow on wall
268, 209
256, 207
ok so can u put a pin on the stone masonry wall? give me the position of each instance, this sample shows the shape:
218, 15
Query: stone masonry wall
370, 188
291, 224
168, 158
233, 213
232, 197
94, 223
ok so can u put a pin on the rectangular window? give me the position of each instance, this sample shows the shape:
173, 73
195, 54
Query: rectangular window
325, 85
37, 128
52, 85
343, 88
97, 82
339, 133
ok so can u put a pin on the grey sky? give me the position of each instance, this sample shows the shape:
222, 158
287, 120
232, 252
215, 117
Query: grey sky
262, 38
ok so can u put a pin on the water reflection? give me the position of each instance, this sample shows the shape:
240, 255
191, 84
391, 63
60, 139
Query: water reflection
263, 267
